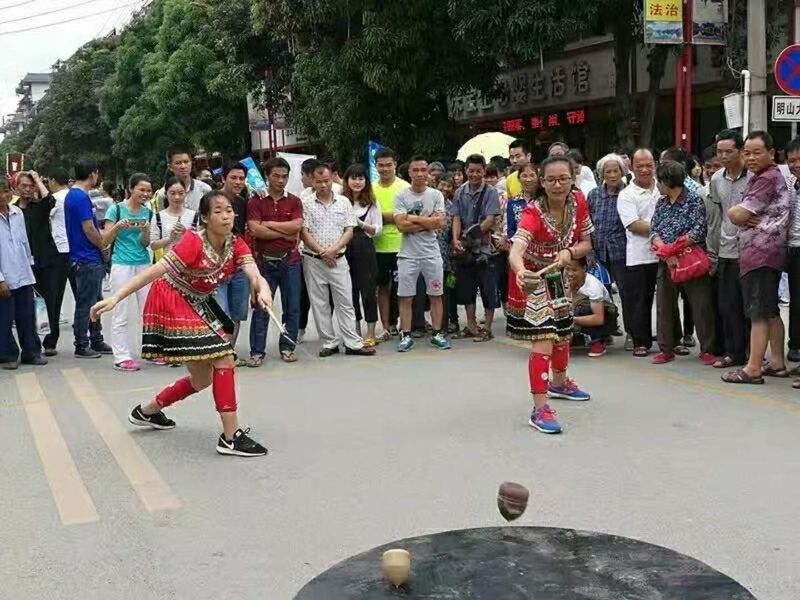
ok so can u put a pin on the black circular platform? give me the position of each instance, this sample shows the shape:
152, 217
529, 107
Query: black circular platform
523, 563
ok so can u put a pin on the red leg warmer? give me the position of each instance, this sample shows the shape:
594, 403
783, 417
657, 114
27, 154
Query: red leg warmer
175, 392
560, 358
223, 386
539, 372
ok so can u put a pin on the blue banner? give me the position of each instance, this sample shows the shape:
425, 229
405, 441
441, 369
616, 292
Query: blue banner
254, 179
372, 150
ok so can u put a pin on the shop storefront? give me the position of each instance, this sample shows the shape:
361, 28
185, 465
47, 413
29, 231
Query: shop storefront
572, 98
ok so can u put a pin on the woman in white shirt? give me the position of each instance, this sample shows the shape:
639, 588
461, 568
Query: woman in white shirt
168, 225
361, 250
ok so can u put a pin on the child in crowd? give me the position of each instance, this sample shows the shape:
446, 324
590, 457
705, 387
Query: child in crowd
595, 312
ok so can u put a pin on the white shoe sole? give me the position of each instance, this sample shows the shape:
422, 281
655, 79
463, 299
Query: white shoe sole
557, 396
147, 424
232, 452
537, 428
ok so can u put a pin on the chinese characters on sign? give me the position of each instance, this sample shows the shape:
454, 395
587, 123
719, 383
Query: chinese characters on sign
786, 108
663, 21
513, 126
561, 83
552, 120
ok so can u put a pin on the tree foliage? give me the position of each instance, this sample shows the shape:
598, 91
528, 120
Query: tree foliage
369, 69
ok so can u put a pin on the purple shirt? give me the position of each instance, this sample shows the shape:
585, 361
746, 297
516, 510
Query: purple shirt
765, 196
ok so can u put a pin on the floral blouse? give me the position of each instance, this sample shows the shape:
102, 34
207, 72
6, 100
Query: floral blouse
196, 270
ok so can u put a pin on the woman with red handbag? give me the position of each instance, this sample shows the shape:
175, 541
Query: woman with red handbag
678, 236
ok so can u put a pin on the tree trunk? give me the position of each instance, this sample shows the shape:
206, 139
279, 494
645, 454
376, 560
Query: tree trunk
623, 46
656, 67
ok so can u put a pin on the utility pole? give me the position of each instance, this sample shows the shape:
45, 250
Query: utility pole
796, 38
757, 62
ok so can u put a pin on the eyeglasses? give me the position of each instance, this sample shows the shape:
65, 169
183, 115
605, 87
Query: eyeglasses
560, 180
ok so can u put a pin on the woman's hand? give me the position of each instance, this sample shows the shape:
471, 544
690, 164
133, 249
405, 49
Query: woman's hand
527, 279
263, 296
104, 306
564, 258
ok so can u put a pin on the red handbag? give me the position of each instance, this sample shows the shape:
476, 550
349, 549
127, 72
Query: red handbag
692, 263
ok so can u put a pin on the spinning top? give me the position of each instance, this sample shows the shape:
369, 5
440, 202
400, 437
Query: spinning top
512, 500
396, 566
530, 282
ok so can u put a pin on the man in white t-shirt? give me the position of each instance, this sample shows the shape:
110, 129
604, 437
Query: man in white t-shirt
636, 204
179, 163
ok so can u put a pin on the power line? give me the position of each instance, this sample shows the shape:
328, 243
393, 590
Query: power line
18, 4
63, 21
49, 12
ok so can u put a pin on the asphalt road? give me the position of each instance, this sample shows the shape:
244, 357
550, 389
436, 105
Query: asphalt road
368, 450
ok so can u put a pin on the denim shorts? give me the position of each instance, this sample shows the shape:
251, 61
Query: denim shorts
234, 297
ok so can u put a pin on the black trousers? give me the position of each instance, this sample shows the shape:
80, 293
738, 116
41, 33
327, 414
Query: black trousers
305, 303
794, 292
639, 282
617, 271
730, 306
698, 292
51, 283
364, 275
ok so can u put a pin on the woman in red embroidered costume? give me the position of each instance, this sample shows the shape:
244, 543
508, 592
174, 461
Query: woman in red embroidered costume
554, 229
183, 323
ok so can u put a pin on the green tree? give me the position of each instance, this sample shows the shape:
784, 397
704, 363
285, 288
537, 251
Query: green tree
68, 124
367, 69
172, 84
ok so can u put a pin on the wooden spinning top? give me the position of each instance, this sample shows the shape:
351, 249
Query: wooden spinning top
512, 500
396, 566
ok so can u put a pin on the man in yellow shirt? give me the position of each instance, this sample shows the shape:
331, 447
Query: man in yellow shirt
518, 153
388, 243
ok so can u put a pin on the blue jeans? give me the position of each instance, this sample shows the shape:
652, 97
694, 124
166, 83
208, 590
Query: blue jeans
287, 278
19, 309
88, 279
234, 297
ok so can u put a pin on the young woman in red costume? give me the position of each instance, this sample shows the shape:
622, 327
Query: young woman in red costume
554, 228
183, 323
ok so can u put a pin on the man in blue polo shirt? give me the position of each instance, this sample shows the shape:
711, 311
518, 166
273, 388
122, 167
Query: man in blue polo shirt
86, 249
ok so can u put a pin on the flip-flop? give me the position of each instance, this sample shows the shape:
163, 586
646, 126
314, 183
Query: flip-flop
796, 384
771, 371
640, 352
740, 376
726, 362
288, 356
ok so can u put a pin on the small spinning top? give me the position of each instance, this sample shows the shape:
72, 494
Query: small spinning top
396, 566
530, 282
512, 500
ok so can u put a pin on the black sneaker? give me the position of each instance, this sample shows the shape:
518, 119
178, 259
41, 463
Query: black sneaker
86, 353
156, 421
102, 348
242, 445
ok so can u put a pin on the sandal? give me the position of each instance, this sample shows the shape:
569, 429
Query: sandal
484, 335
771, 371
464, 334
726, 362
288, 356
640, 352
255, 361
796, 384
741, 376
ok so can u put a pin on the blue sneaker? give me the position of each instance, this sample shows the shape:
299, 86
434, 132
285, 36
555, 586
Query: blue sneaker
440, 342
568, 391
545, 419
406, 344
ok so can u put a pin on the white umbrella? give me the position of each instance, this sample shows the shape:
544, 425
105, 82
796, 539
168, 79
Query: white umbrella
487, 145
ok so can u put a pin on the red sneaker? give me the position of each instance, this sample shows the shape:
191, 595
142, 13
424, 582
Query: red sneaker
707, 359
663, 358
597, 349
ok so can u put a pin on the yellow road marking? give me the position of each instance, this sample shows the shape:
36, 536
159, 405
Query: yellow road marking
72, 499
154, 493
